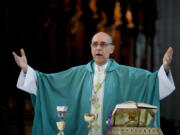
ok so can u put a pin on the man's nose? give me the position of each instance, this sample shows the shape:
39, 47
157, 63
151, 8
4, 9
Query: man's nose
98, 46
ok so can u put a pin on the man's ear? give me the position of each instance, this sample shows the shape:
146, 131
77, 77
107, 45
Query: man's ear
112, 48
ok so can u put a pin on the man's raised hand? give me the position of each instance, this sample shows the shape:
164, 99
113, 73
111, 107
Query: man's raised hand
167, 58
21, 61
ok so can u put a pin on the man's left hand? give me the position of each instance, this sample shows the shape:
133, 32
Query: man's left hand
167, 59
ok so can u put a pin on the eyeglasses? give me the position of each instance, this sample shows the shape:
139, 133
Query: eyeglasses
102, 44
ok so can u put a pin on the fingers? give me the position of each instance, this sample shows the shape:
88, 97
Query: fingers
167, 59
170, 51
15, 55
22, 52
169, 54
16, 58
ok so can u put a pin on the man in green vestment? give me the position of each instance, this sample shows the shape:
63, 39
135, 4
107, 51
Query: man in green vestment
79, 89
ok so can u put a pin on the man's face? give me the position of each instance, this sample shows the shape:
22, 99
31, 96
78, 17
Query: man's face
101, 48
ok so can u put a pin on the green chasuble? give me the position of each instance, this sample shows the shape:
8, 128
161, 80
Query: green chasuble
73, 88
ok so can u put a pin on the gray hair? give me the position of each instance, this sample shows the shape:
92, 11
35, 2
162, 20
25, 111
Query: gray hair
104, 34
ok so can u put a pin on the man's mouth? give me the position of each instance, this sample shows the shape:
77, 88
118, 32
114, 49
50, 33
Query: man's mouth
98, 54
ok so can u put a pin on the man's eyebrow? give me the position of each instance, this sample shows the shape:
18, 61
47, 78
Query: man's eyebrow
97, 41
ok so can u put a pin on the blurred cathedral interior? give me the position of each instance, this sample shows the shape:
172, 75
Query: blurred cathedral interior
58, 36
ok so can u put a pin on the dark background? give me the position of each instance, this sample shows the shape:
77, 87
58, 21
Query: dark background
44, 33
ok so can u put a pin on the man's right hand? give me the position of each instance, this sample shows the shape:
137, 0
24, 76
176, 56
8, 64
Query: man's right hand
21, 61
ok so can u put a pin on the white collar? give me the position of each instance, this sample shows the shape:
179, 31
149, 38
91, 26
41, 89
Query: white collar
100, 68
